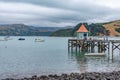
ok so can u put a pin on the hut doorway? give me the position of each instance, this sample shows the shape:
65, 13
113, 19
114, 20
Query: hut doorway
85, 36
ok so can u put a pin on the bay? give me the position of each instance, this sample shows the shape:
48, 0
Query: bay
24, 58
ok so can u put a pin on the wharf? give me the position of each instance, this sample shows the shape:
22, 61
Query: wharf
92, 46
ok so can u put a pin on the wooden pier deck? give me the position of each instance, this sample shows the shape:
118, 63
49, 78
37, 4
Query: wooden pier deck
92, 46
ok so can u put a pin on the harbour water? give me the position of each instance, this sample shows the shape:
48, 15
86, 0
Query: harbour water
24, 58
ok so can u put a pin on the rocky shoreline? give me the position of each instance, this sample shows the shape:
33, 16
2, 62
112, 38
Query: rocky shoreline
115, 75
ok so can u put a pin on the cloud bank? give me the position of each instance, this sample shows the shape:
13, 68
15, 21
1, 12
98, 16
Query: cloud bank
56, 13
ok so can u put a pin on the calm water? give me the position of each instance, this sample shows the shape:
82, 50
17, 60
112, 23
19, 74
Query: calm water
26, 58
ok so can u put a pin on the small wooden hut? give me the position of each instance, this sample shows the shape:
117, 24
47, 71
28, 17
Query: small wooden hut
82, 32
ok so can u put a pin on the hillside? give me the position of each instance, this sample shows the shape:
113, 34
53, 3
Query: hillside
112, 26
25, 30
95, 30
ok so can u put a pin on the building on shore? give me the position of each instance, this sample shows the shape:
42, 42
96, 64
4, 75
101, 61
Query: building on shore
82, 32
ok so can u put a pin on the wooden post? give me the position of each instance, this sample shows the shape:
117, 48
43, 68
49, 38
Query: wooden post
71, 44
108, 48
112, 50
76, 45
98, 46
68, 45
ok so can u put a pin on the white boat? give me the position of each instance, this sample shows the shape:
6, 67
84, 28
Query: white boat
39, 40
8, 38
3, 40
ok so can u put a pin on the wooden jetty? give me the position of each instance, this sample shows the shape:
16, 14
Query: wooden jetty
85, 43
91, 46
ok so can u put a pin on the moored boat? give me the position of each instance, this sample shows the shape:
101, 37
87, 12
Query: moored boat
3, 40
39, 40
21, 39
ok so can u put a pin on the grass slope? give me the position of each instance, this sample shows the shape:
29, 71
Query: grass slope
112, 27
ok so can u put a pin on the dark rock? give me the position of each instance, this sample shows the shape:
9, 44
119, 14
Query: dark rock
43, 77
115, 75
34, 77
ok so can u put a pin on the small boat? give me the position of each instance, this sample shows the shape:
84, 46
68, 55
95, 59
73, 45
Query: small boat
8, 38
3, 40
21, 39
39, 40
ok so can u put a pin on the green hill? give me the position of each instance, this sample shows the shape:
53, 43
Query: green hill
94, 30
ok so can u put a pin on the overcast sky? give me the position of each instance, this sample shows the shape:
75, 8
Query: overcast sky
58, 13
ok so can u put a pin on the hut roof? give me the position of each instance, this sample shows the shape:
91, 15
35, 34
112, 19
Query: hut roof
82, 28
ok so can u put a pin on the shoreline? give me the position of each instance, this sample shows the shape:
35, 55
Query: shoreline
114, 75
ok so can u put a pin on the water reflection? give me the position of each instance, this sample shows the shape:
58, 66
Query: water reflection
95, 63
80, 58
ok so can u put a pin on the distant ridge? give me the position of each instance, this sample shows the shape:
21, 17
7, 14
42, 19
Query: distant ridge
25, 30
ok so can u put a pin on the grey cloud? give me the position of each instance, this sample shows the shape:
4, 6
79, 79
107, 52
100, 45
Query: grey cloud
56, 12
